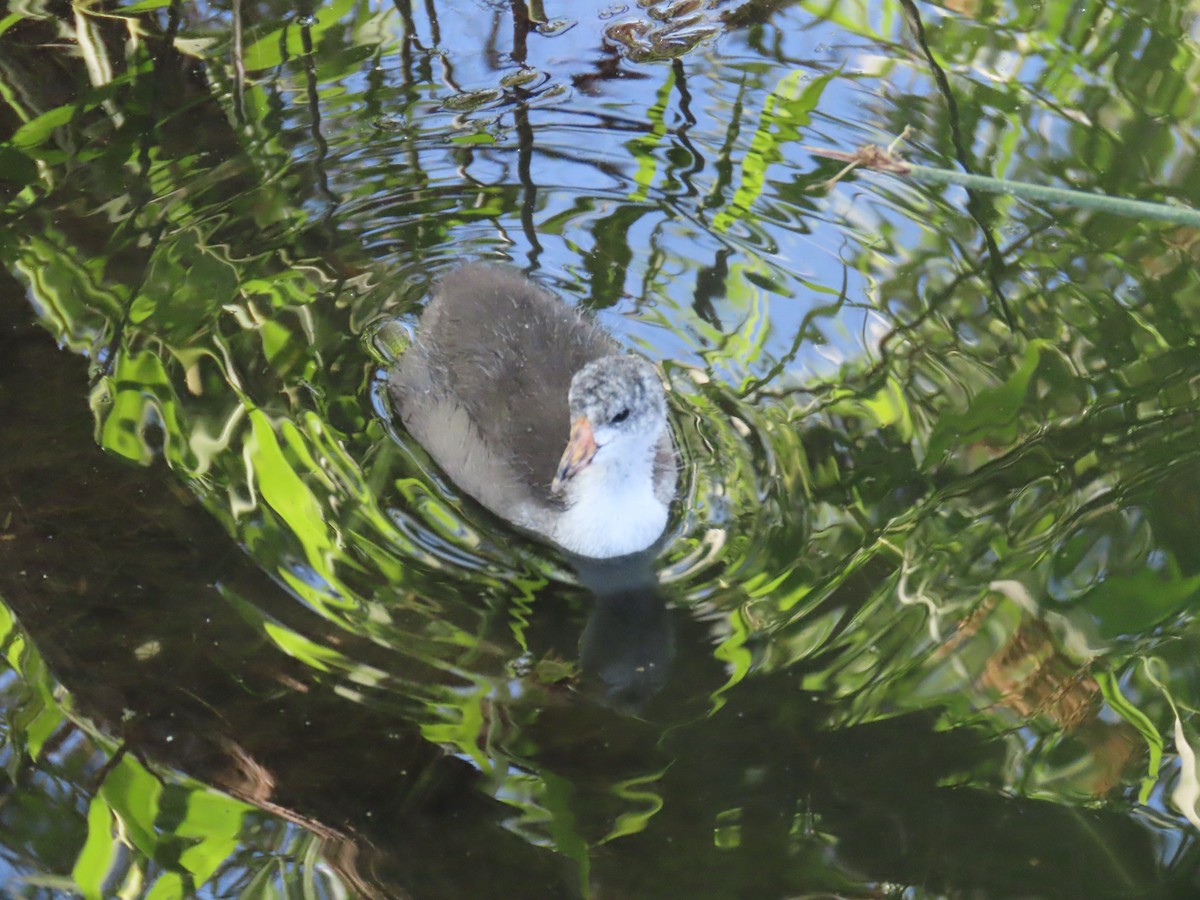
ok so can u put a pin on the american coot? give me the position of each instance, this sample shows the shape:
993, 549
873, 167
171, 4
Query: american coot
533, 410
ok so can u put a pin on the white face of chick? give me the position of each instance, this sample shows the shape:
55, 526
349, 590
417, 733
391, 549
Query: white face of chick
618, 416
618, 413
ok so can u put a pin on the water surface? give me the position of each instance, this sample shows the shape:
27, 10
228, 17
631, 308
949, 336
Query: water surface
924, 621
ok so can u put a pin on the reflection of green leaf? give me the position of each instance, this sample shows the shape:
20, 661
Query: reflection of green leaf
76, 300
37, 131
186, 285
1110, 688
98, 853
280, 345
140, 391
34, 715
7, 625
736, 656
991, 414
144, 5
873, 21
168, 887
464, 733
37, 716
638, 793
286, 493
132, 793
643, 146
1129, 604
556, 799
9, 21
786, 109
44, 724
312, 654
887, 407
214, 821
749, 340
269, 51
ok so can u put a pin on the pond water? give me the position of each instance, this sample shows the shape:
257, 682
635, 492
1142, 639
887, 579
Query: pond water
924, 622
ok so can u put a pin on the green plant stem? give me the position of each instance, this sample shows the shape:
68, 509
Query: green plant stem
1117, 206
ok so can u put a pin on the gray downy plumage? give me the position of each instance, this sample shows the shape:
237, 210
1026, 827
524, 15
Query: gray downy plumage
485, 388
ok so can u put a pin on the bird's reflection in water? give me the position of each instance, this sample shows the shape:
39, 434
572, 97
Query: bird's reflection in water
628, 643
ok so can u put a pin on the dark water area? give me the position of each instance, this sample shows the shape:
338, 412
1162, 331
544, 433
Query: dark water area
923, 623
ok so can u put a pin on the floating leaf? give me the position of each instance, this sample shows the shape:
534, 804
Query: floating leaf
479, 137
468, 101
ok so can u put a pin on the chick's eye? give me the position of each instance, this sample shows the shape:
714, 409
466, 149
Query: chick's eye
619, 417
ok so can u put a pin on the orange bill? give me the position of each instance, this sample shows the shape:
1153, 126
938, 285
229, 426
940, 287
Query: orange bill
580, 450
